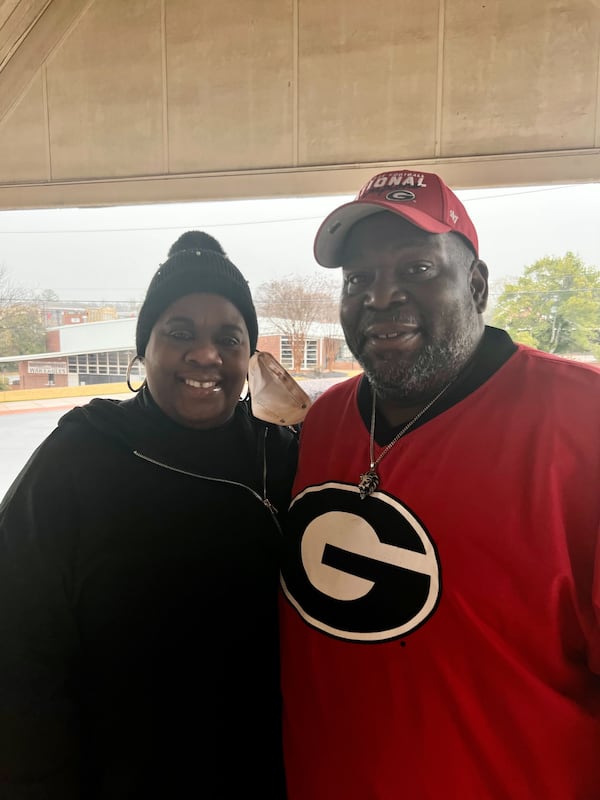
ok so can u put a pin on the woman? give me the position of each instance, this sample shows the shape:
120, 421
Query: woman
139, 553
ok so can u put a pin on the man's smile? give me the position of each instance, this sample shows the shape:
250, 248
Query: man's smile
391, 336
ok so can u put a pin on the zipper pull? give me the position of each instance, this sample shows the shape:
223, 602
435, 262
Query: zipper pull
269, 505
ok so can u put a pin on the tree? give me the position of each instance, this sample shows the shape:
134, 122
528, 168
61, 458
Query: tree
22, 330
48, 296
22, 327
293, 304
554, 306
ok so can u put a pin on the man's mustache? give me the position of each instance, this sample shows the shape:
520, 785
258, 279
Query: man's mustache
369, 317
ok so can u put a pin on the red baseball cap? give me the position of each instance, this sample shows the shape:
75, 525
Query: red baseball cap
420, 197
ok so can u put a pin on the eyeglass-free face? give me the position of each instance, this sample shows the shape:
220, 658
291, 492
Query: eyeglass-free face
197, 360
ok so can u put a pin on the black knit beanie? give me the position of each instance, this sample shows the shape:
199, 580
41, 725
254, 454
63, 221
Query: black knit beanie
196, 240
195, 269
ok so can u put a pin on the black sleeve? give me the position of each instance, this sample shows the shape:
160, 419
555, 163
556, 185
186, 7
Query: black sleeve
38, 636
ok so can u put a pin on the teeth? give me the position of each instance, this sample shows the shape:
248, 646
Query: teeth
200, 384
387, 335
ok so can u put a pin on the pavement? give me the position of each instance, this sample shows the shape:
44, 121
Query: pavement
313, 386
58, 403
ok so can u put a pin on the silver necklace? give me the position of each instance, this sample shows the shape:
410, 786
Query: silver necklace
369, 480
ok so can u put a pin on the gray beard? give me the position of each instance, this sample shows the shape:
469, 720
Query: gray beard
418, 381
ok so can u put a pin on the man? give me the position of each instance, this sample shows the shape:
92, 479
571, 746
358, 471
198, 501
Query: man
441, 586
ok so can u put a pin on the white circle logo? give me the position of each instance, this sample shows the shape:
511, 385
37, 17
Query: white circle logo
363, 570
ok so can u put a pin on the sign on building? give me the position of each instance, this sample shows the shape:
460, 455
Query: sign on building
46, 368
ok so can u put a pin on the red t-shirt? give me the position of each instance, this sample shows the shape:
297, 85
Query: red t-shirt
441, 638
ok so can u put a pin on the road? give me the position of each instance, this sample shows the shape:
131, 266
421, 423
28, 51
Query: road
20, 434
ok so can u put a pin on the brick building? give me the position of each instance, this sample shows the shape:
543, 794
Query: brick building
88, 353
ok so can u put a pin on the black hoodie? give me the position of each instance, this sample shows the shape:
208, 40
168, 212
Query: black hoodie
138, 615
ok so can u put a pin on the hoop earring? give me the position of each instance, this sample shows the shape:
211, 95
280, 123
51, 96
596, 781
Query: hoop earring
128, 374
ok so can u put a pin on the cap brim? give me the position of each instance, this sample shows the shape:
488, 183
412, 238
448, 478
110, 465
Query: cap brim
330, 237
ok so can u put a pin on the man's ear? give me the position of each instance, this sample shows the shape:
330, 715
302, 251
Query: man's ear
479, 284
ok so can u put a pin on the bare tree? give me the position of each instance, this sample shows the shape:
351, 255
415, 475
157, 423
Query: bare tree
331, 345
293, 304
9, 294
330, 326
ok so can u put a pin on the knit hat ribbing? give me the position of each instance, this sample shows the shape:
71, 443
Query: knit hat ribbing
196, 240
189, 271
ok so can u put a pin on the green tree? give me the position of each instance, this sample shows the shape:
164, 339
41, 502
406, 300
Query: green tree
22, 330
554, 306
22, 327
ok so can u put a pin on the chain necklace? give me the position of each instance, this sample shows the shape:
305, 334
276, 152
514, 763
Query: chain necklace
369, 480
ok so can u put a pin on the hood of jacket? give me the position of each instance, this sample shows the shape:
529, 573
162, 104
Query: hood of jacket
244, 449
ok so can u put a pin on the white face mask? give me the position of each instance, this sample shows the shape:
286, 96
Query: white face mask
274, 394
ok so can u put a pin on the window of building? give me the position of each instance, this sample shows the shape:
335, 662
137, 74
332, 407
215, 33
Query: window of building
310, 359
114, 363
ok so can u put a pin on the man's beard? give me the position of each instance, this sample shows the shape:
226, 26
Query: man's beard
417, 381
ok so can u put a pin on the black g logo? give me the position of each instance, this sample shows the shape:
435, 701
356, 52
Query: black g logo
364, 570
401, 196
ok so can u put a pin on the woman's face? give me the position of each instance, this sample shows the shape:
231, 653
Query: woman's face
197, 360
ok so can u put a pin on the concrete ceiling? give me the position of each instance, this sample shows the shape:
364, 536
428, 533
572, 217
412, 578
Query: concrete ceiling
107, 102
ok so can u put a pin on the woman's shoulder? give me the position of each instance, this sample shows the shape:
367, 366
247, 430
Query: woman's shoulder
282, 433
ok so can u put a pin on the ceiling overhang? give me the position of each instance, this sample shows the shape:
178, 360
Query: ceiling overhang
108, 103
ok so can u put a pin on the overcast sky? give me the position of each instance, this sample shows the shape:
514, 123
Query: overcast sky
111, 253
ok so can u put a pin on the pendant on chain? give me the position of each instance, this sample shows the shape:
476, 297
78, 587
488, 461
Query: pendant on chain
369, 482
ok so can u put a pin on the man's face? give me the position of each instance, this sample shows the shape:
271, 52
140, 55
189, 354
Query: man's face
411, 305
